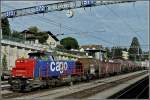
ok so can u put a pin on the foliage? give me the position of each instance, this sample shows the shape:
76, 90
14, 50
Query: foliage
69, 43
135, 49
60, 46
41, 36
17, 34
33, 29
145, 56
4, 63
5, 27
108, 53
115, 52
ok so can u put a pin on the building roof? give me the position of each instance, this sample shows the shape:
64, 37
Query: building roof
91, 47
31, 34
27, 32
52, 35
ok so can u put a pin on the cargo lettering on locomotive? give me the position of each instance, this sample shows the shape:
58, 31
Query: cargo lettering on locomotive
58, 66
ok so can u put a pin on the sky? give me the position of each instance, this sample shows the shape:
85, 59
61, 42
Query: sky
111, 25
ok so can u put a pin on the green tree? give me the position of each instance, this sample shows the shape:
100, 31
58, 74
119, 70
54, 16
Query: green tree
5, 27
134, 50
17, 36
69, 43
108, 53
33, 29
4, 63
42, 37
116, 52
125, 49
145, 56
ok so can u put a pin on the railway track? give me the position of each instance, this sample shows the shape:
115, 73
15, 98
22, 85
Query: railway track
139, 90
4, 82
17, 94
5, 87
91, 91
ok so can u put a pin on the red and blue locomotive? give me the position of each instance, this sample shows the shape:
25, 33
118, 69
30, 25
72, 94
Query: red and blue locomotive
42, 70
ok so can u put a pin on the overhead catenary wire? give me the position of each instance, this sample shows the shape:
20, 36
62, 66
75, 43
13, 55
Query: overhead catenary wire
128, 25
107, 25
103, 40
52, 22
72, 29
66, 27
56, 24
83, 33
136, 14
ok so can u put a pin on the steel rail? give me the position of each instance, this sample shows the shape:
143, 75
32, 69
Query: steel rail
129, 89
142, 92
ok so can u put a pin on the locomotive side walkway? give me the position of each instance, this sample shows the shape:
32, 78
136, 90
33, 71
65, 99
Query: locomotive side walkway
52, 94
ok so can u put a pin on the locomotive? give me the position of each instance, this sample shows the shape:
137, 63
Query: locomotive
41, 70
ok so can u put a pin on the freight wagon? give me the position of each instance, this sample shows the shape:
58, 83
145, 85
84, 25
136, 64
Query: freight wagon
96, 68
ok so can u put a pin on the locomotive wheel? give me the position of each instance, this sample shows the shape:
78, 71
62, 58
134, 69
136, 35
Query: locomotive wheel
29, 89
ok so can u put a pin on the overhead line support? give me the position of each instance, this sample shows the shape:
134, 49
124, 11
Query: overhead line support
58, 7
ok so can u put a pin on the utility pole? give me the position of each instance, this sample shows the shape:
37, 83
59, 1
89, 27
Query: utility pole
99, 61
138, 54
0, 60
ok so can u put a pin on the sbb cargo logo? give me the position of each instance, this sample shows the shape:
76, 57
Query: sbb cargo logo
58, 66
